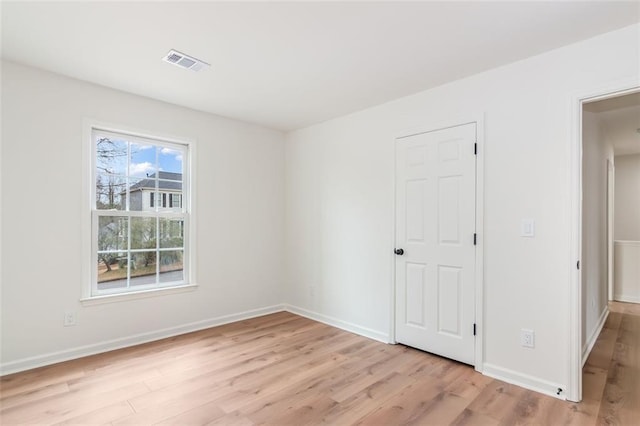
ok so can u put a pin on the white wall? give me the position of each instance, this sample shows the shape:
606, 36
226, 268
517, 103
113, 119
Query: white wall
240, 227
339, 177
627, 229
627, 198
596, 150
627, 271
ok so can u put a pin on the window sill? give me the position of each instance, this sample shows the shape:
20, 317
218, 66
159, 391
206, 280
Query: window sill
143, 294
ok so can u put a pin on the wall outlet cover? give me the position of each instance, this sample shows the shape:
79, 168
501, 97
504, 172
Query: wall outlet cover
528, 228
527, 338
69, 318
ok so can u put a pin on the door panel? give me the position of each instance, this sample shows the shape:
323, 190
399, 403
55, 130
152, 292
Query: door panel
435, 223
415, 294
415, 210
449, 210
449, 295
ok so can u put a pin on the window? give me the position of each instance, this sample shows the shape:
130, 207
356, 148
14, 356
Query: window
175, 200
137, 243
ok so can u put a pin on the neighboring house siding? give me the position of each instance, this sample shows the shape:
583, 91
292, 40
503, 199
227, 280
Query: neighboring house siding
140, 193
135, 200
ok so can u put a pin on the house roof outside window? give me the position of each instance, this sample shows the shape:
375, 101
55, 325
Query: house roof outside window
173, 182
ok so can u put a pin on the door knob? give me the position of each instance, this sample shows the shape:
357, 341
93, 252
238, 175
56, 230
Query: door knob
399, 252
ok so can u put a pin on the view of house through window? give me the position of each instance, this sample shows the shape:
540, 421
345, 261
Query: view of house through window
139, 216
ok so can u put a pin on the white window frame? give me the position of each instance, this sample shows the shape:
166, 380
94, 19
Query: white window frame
90, 293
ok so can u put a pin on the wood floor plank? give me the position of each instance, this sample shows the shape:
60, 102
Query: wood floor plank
231, 419
406, 406
282, 369
220, 360
200, 415
31, 396
471, 418
498, 400
102, 416
175, 406
260, 394
38, 378
622, 392
444, 408
367, 400
59, 408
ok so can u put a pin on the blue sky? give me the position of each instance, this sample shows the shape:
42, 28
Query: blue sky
145, 160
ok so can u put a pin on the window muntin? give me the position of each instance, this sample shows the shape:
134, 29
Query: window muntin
132, 211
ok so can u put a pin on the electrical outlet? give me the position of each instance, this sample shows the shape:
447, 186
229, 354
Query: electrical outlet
527, 338
312, 291
69, 318
528, 228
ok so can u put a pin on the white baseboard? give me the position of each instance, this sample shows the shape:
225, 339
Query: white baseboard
591, 340
344, 325
82, 351
525, 381
626, 298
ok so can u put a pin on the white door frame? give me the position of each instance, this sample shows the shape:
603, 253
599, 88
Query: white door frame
611, 171
615, 89
479, 255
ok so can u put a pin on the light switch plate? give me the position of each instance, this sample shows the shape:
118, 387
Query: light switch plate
528, 228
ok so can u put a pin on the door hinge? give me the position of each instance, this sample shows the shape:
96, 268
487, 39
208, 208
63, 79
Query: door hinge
578, 265
475, 149
475, 239
474, 328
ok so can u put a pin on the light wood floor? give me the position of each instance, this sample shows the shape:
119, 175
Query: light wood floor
282, 369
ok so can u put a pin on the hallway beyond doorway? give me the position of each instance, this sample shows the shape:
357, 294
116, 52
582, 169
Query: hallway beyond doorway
611, 375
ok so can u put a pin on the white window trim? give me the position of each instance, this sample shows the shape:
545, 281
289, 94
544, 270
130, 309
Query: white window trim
88, 203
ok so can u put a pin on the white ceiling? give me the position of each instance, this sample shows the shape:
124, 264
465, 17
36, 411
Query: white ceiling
289, 65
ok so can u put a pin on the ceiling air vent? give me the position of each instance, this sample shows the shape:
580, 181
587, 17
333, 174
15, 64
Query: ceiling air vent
184, 61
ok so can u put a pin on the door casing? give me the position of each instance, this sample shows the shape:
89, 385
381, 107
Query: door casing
478, 119
575, 312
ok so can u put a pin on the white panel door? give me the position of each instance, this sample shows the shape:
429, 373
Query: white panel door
435, 251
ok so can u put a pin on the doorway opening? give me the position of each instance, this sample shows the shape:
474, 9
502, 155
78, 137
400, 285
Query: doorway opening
608, 215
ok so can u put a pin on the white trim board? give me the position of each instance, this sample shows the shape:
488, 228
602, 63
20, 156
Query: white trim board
626, 298
524, 381
343, 325
591, 340
136, 339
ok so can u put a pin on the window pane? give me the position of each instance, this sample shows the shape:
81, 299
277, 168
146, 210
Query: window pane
171, 233
170, 195
171, 268
143, 160
143, 268
110, 192
139, 190
176, 200
143, 233
111, 156
170, 161
112, 270
112, 233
